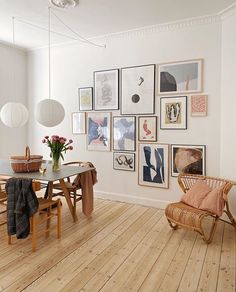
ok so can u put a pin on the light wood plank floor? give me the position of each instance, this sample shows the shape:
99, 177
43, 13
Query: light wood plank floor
123, 247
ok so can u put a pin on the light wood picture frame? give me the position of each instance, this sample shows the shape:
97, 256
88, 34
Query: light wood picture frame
199, 105
147, 128
85, 98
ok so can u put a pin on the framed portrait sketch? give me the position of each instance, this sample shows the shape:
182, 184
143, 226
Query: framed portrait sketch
124, 161
124, 133
85, 99
106, 90
78, 123
180, 77
138, 90
188, 159
198, 105
153, 165
99, 131
147, 128
173, 113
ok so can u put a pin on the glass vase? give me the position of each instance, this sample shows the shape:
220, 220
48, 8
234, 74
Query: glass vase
56, 163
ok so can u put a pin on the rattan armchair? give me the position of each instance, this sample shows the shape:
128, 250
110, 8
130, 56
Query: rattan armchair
181, 214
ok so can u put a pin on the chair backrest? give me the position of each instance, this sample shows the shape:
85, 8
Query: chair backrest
79, 163
187, 180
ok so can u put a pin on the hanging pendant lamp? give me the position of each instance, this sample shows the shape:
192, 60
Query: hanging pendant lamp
49, 112
14, 114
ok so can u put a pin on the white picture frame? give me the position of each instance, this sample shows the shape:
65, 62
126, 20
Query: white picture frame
78, 123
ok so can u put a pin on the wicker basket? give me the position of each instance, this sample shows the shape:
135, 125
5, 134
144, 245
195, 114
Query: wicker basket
27, 163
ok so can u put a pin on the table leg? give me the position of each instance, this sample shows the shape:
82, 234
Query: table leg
68, 199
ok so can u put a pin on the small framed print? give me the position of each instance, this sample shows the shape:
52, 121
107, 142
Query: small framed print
153, 165
138, 90
124, 161
99, 129
173, 113
188, 159
106, 90
85, 98
78, 123
198, 105
124, 133
180, 77
147, 128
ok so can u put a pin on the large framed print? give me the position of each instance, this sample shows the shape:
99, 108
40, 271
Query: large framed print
188, 159
147, 128
124, 161
153, 165
85, 98
99, 129
106, 90
78, 123
138, 90
180, 77
173, 112
124, 133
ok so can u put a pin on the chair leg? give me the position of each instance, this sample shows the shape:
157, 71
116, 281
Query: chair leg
34, 232
58, 219
48, 221
74, 203
9, 239
212, 231
174, 226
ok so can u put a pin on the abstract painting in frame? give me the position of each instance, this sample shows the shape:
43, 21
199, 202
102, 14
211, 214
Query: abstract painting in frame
124, 133
147, 128
180, 77
124, 161
173, 113
138, 90
85, 98
99, 130
106, 90
198, 105
188, 159
153, 165
78, 123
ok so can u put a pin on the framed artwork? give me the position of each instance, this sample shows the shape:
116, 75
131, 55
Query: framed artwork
173, 112
78, 123
106, 90
198, 105
188, 159
180, 77
124, 161
147, 128
153, 165
85, 99
99, 129
124, 133
138, 90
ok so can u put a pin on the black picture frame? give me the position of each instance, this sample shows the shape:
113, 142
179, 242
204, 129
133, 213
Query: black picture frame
124, 161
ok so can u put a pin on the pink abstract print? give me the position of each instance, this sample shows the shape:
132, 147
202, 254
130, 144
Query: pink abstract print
199, 105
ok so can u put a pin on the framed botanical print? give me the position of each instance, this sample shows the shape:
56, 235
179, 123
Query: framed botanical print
188, 159
78, 123
124, 161
99, 129
180, 77
147, 128
106, 90
153, 165
85, 98
198, 105
138, 90
173, 112
124, 133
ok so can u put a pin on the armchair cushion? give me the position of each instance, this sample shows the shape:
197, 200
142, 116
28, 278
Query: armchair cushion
214, 202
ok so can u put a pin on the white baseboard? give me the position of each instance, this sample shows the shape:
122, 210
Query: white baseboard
131, 199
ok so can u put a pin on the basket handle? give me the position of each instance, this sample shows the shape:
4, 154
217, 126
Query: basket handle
27, 153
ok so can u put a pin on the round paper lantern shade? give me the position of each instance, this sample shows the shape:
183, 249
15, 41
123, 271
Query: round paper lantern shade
14, 114
49, 112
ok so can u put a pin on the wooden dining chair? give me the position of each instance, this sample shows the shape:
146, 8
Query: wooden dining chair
43, 215
3, 202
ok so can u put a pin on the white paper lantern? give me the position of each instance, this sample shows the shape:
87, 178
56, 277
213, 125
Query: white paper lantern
49, 112
14, 114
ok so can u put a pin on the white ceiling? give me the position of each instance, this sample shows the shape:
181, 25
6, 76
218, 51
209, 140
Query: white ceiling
96, 17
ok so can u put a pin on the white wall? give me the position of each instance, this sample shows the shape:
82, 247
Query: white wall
228, 100
73, 66
13, 88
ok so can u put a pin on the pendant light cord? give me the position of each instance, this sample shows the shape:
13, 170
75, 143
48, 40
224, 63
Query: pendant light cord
49, 52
